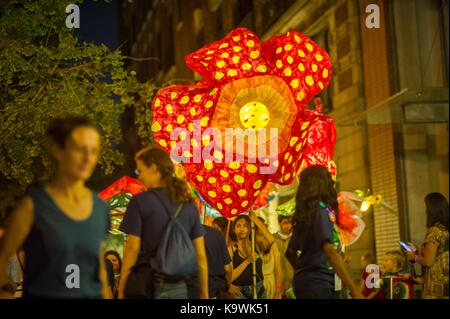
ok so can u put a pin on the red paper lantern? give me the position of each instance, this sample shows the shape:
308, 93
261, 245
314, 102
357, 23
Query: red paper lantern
249, 87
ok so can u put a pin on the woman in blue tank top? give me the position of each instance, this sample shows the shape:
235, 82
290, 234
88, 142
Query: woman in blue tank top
61, 224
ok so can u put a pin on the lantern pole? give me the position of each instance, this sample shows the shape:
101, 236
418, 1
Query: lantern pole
255, 296
228, 230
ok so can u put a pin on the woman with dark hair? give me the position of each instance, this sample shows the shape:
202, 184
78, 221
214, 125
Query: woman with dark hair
62, 223
243, 256
114, 257
314, 247
146, 218
433, 253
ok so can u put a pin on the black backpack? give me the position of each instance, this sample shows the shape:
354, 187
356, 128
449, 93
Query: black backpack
176, 256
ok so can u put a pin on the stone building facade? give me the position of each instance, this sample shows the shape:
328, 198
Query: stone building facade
388, 95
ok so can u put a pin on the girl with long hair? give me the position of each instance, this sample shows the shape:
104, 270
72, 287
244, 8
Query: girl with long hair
314, 247
145, 221
433, 253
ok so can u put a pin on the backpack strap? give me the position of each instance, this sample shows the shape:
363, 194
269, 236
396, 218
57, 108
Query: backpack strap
165, 207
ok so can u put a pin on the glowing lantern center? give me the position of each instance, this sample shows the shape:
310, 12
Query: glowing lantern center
254, 115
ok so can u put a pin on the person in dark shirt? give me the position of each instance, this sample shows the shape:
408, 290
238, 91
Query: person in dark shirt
146, 218
62, 223
313, 249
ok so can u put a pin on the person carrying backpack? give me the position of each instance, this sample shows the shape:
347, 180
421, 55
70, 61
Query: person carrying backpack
157, 223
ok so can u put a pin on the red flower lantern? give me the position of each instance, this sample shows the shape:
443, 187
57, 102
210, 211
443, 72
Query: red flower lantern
220, 124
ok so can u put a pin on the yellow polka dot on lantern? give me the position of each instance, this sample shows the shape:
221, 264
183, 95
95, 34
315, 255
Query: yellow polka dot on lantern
204, 121
286, 156
290, 59
325, 73
242, 192
276, 163
251, 168
223, 45
226, 188
279, 64
301, 53
234, 165
293, 140
182, 135
212, 194
212, 180
235, 59
301, 95
225, 55
208, 58
203, 63
319, 57
236, 38
214, 91
309, 46
219, 206
320, 85
197, 98
279, 50
294, 83
157, 102
156, 127
169, 128
194, 142
239, 179
250, 43
208, 104
220, 64
162, 143
305, 125
173, 95
208, 165
232, 73
218, 155
244, 203
199, 178
255, 194
257, 184
309, 80
193, 111
290, 159
288, 72
297, 38
304, 134
299, 146
169, 109
254, 54
219, 75
205, 140
180, 119
191, 127
314, 67
187, 154
224, 173
234, 211
237, 49
210, 52
301, 67
287, 47
228, 201
246, 66
172, 144
261, 68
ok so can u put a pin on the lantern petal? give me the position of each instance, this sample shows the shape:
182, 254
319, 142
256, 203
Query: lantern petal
236, 56
300, 62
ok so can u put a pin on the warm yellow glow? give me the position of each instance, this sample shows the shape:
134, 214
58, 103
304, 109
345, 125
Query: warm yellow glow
254, 115
364, 206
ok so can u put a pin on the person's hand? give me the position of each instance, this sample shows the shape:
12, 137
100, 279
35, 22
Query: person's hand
252, 214
411, 255
412, 247
406, 276
252, 257
234, 290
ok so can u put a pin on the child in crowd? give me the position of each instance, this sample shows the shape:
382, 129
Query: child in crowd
397, 283
370, 293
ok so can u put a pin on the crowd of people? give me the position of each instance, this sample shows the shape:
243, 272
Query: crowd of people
62, 223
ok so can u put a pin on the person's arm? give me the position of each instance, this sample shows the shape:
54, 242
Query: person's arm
16, 231
278, 273
337, 263
427, 257
202, 262
263, 228
240, 269
232, 289
130, 255
106, 291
